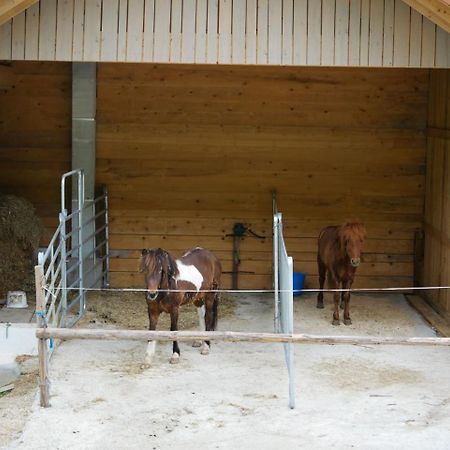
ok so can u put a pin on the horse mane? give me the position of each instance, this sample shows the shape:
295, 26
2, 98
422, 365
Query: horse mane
351, 229
152, 258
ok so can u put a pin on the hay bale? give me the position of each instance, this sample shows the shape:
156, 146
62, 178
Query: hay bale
20, 233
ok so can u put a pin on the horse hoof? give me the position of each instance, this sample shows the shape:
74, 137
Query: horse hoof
320, 305
336, 322
175, 359
197, 344
205, 349
347, 321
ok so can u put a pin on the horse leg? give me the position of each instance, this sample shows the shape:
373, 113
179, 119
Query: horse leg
333, 285
174, 327
210, 319
346, 298
322, 273
153, 315
201, 322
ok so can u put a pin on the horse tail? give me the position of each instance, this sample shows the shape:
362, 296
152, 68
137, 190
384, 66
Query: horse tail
215, 307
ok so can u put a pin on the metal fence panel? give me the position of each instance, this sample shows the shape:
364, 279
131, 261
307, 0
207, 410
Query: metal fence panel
284, 298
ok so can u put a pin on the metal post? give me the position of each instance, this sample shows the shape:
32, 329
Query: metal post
42, 342
276, 274
80, 241
106, 278
63, 244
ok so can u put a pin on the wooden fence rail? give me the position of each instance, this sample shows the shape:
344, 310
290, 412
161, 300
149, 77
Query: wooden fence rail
233, 336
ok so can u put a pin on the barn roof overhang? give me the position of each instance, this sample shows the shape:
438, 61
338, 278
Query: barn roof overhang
438, 11
11, 8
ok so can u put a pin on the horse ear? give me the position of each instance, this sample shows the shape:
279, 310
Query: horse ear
144, 251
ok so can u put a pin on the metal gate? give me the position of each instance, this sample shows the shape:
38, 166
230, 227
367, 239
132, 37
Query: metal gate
77, 255
284, 296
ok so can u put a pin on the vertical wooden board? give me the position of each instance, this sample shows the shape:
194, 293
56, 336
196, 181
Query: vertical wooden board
327, 42
225, 8
447, 72
445, 226
440, 112
92, 19
427, 211
288, 32
442, 48
47, 30
78, 30
175, 33
149, 23
201, 21
436, 215
32, 32
432, 101
110, 15
365, 28
354, 39
161, 50
388, 34
188, 35
64, 30
401, 34
275, 30
135, 38
18, 37
250, 32
314, 32
428, 43
238, 35
122, 30
5, 40
341, 33
300, 31
376, 33
415, 39
263, 32
212, 32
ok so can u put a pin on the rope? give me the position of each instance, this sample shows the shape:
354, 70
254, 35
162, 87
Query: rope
262, 291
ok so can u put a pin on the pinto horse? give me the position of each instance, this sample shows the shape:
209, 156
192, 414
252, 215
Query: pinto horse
338, 258
196, 271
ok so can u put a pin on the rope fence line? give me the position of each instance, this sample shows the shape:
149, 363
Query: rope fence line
261, 291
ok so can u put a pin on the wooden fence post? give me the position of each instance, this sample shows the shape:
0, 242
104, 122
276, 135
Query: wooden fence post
42, 342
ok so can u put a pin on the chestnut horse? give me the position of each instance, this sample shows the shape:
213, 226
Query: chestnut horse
338, 258
196, 271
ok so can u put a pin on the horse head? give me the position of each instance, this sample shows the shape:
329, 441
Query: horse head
352, 238
159, 269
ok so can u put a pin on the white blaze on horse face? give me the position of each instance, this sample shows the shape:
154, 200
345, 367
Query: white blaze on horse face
151, 348
189, 273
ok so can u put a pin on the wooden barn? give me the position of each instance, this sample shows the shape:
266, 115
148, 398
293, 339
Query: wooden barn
192, 112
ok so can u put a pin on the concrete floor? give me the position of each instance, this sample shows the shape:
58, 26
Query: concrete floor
370, 397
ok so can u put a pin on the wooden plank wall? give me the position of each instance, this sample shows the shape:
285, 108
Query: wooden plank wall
187, 151
35, 134
376, 33
437, 206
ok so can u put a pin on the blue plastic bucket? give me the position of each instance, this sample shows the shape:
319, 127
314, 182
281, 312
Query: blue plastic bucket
299, 281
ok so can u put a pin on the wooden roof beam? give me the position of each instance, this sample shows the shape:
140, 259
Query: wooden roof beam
10, 8
438, 11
